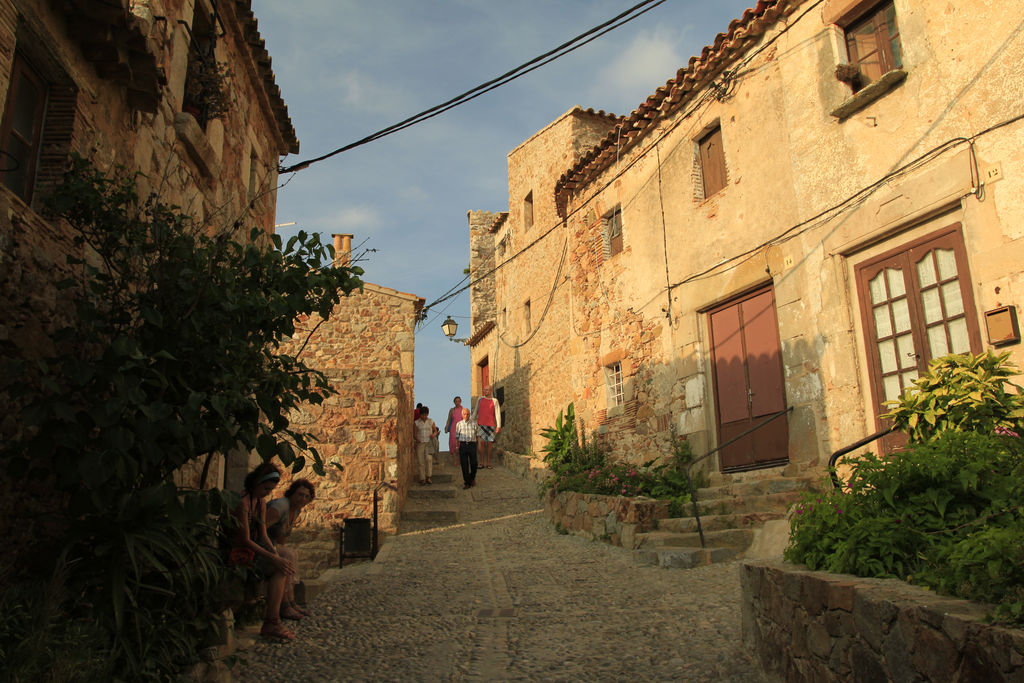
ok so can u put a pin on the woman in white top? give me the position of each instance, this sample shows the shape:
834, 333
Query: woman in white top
281, 516
425, 430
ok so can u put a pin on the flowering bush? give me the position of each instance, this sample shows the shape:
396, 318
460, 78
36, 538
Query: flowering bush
592, 474
946, 514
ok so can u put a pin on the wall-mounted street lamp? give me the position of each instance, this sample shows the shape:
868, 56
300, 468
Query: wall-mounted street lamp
450, 327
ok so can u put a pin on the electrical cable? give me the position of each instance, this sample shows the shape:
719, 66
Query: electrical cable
703, 99
565, 48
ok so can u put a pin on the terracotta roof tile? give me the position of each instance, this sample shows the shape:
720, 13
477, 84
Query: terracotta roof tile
499, 221
668, 99
480, 333
257, 46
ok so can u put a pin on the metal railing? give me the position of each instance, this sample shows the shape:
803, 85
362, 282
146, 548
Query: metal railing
689, 479
834, 458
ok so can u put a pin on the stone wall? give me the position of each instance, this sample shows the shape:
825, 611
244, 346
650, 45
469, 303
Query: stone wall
366, 351
614, 519
815, 626
481, 265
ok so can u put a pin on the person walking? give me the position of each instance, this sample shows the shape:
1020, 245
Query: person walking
465, 430
426, 430
454, 417
488, 419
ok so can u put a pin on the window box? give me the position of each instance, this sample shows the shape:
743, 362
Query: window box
869, 94
198, 147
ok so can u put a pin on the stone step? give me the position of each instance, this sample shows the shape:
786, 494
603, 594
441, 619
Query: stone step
757, 487
683, 558
772, 502
437, 478
435, 516
736, 520
738, 539
431, 492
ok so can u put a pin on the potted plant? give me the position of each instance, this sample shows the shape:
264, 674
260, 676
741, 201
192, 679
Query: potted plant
206, 93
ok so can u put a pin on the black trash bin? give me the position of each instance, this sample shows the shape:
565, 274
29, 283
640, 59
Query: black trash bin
356, 539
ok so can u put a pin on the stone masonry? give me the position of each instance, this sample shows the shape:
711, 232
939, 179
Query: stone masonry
815, 626
366, 351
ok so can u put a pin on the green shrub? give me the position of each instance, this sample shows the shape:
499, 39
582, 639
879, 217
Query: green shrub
945, 514
567, 448
961, 392
583, 468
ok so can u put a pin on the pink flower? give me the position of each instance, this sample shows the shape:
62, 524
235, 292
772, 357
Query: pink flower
1006, 431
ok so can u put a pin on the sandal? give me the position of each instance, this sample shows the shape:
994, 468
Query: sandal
428, 481
273, 630
290, 612
295, 606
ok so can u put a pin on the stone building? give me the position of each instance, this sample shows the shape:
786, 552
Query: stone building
116, 81
826, 198
366, 351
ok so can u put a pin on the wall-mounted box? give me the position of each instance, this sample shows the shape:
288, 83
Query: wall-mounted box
1002, 326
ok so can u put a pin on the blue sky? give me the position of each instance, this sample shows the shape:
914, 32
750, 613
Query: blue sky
348, 68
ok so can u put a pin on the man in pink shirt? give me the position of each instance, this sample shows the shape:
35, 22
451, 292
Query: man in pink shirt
487, 414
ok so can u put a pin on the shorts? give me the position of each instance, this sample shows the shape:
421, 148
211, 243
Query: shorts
486, 433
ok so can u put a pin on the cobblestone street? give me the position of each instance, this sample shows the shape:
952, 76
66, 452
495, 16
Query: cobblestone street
501, 596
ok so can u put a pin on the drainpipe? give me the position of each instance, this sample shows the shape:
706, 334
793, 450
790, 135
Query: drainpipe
342, 250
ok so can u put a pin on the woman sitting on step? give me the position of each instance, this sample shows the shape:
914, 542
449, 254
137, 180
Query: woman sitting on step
281, 516
251, 515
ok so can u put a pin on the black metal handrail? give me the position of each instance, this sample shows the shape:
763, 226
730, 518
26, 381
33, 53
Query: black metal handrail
834, 458
689, 479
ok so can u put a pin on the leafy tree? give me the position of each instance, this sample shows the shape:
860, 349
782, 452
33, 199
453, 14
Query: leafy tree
174, 357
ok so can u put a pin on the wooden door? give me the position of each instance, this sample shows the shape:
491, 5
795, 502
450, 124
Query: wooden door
485, 375
748, 378
916, 305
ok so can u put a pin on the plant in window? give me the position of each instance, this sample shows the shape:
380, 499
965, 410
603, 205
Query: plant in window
206, 88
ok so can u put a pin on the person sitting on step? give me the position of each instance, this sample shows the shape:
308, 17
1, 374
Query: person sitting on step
281, 516
251, 533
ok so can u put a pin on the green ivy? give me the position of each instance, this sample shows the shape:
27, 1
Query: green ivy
175, 356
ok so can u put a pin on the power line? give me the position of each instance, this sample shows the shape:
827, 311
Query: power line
521, 70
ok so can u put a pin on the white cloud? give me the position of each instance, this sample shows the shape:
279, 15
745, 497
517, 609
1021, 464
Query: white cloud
650, 59
360, 220
362, 92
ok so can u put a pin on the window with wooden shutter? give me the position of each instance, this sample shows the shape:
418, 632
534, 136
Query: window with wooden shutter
22, 129
612, 229
712, 162
528, 210
873, 44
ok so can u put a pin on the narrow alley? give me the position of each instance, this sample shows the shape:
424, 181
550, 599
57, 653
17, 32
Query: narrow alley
500, 595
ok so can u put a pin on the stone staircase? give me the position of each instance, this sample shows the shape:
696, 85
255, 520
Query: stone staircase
740, 518
428, 507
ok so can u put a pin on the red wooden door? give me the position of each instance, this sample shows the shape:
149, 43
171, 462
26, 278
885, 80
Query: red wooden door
485, 375
748, 378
